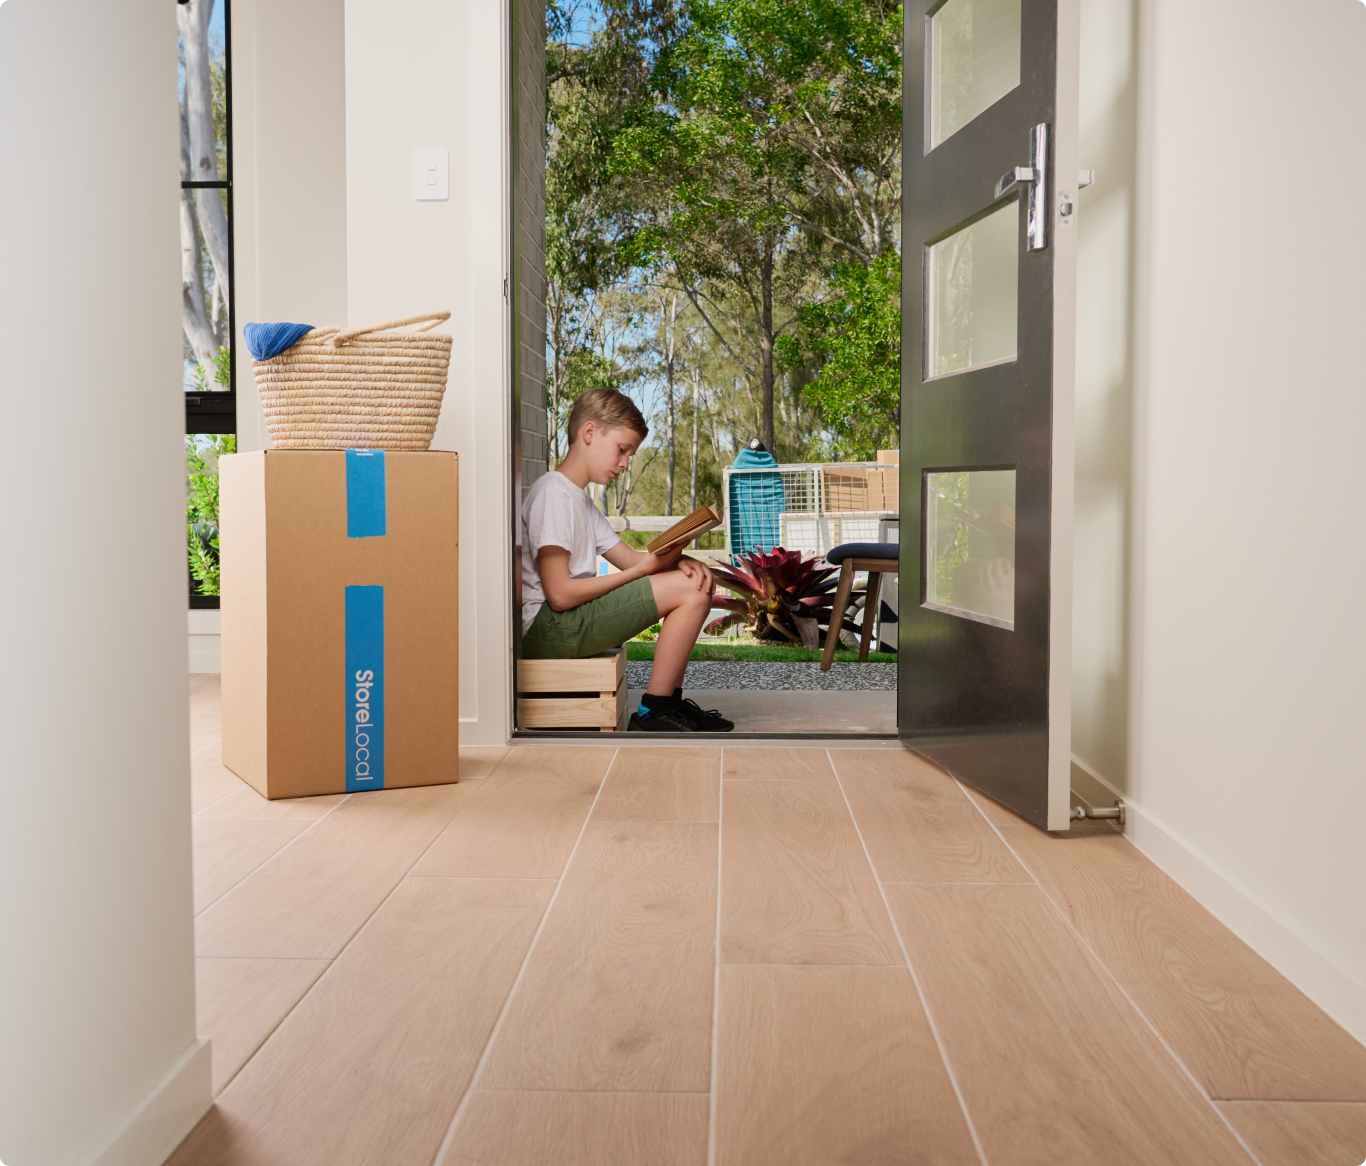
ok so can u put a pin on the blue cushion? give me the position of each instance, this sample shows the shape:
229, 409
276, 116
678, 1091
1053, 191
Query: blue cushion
864, 551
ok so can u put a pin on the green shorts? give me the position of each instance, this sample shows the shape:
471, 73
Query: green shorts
592, 627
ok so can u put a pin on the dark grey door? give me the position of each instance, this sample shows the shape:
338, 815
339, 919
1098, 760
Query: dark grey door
988, 349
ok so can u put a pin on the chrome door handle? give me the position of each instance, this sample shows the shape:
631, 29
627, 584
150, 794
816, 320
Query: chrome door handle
1016, 176
1033, 181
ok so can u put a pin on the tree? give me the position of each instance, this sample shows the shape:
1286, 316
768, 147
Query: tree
768, 134
854, 340
203, 215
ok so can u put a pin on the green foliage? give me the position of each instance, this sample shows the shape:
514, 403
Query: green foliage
740, 160
854, 339
202, 452
222, 373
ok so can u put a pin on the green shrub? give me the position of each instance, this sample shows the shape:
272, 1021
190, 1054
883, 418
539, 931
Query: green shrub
202, 452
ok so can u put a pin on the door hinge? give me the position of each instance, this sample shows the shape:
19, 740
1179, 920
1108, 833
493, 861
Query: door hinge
505, 287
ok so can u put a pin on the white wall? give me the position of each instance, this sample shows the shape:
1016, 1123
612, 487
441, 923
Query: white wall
1235, 327
289, 175
431, 73
1104, 393
98, 1056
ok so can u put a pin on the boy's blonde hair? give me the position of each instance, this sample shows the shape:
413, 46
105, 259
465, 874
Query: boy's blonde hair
610, 409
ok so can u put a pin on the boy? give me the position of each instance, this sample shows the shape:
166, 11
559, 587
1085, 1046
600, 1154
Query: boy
569, 610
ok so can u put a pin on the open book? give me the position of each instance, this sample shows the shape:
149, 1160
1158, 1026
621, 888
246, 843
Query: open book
701, 520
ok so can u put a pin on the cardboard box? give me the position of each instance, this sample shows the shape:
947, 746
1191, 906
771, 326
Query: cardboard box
889, 457
340, 619
860, 489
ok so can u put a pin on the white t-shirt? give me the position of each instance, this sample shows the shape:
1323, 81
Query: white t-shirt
558, 513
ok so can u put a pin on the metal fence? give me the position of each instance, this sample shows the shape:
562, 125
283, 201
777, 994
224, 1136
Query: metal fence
808, 506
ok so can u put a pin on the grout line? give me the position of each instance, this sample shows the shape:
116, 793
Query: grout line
608, 1092
1112, 977
195, 813
521, 972
274, 1027
948, 883
713, 1091
332, 960
476, 879
761, 964
910, 967
271, 858
1281, 1101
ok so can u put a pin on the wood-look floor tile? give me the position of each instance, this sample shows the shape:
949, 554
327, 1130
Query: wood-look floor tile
370, 1067
581, 1129
1301, 1133
308, 901
206, 725
763, 764
247, 803
210, 779
1041, 1040
796, 887
526, 819
618, 993
917, 823
826, 1065
239, 1002
1241, 1027
227, 850
205, 688
662, 785
477, 761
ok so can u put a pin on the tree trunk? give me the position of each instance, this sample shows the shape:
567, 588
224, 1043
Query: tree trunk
193, 22
194, 316
766, 341
669, 407
692, 473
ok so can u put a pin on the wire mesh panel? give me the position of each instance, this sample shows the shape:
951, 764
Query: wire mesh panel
820, 505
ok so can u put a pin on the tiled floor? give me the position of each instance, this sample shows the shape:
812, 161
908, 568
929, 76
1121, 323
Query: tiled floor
795, 711
659, 956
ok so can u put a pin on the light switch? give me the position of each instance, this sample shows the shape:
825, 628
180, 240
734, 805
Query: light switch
431, 175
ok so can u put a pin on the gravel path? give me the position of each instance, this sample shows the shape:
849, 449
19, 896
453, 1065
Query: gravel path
774, 676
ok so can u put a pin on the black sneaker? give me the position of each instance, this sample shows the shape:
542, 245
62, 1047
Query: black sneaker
670, 719
705, 720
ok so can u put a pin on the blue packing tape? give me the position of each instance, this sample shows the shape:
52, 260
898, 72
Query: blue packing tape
364, 688
365, 504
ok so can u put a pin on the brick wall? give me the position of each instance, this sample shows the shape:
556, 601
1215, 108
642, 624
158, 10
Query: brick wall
529, 243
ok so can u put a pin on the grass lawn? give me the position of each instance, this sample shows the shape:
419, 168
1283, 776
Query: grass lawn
645, 650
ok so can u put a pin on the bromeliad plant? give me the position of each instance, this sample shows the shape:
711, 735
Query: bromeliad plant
781, 595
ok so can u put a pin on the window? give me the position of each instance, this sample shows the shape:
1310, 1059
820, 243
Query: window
207, 310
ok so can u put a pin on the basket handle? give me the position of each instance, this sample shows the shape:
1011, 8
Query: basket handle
433, 318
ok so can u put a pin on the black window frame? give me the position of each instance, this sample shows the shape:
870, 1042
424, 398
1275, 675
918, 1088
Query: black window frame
216, 412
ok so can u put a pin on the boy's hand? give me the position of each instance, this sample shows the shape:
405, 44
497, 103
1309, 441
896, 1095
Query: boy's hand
664, 561
699, 573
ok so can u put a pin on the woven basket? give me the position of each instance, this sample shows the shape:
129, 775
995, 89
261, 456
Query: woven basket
357, 388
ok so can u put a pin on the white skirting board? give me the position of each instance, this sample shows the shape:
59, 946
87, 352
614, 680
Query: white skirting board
205, 653
1317, 972
161, 1123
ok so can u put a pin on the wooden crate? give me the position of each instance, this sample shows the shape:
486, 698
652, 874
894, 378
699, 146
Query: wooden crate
572, 694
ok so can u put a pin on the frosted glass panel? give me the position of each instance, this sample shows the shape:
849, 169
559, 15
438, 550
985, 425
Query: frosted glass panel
974, 61
970, 545
972, 295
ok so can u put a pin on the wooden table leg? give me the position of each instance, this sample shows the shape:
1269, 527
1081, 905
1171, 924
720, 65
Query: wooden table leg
869, 612
832, 637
